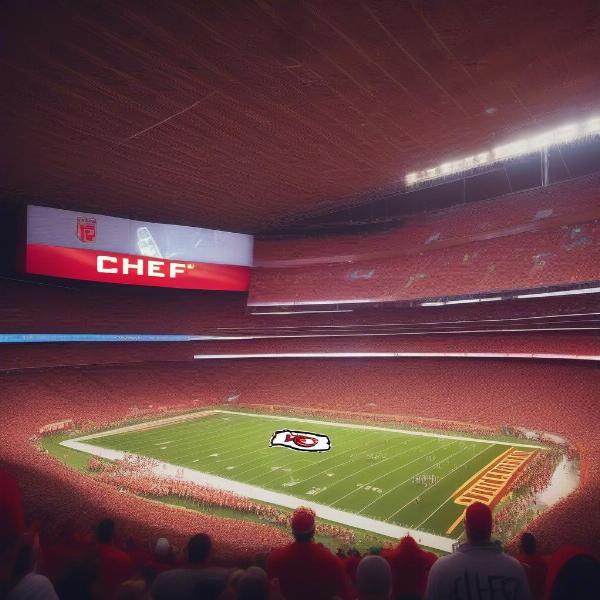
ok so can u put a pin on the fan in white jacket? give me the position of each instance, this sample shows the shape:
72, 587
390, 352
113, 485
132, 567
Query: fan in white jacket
479, 569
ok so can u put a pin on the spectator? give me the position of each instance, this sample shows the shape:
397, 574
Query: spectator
573, 572
80, 580
479, 569
410, 567
25, 584
578, 578
233, 581
253, 585
306, 569
351, 563
115, 565
197, 579
164, 557
134, 589
374, 579
536, 566
11, 510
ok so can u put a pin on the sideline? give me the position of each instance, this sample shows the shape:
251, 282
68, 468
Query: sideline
163, 469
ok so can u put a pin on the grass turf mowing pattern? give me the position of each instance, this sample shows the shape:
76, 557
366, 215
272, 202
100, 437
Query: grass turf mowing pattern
369, 472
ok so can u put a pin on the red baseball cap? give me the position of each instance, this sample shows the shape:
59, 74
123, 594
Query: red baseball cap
303, 520
478, 521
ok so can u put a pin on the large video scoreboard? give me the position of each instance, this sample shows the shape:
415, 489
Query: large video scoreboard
76, 245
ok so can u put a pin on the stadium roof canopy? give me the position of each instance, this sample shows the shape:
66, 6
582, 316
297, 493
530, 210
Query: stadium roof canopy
240, 115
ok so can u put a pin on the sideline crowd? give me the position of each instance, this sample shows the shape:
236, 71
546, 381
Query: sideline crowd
79, 565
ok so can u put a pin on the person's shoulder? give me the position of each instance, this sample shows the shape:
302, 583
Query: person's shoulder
512, 561
282, 551
111, 551
324, 553
390, 554
167, 576
449, 559
279, 556
430, 557
445, 563
214, 572
509, 564
33, 585
508, 559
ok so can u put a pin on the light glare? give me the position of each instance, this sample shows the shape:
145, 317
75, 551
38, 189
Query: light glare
564, 134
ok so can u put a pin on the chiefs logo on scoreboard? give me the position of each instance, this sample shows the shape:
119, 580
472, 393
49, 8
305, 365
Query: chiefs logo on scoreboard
301, 440
86, 229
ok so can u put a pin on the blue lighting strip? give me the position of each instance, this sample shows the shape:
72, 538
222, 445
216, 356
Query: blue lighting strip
37, 338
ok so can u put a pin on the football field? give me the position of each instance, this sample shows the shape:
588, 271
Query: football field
408, 478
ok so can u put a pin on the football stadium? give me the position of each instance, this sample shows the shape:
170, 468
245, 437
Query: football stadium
300, 299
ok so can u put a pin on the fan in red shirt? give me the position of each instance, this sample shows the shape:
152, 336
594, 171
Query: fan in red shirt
536, 566
12, 522
410, 568
306, 569
116, 565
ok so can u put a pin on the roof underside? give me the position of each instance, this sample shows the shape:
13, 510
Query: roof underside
241, 115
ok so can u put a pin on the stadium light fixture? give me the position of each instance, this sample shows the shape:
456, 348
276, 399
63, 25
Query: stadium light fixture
564, 134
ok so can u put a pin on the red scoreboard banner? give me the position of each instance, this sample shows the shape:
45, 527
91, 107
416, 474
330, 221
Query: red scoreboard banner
63, 243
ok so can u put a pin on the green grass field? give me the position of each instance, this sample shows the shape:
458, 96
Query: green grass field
368, 471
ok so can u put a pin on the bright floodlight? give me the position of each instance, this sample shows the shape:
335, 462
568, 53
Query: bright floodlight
561, 135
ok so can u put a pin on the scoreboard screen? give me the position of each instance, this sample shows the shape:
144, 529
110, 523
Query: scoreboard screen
75, 245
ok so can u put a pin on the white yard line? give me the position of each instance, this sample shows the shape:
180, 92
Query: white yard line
387, 473
399, 485
163, 469
438, 482
435, 511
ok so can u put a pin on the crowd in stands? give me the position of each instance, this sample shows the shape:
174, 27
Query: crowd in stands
75, 565
523, 261
135, 474
527, 240
460, 221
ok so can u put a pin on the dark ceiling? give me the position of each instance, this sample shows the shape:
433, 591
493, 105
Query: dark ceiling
241, 115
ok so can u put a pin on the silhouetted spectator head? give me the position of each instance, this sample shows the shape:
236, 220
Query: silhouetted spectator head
374, 578
80, 580
578, 578
253, 585
105, 531
162, 549
303, 524
528, 544
198, 548
233, 581
23, 562
134, 589
12, 522
478, 522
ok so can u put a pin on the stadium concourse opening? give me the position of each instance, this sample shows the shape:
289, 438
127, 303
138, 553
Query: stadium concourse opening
300, 286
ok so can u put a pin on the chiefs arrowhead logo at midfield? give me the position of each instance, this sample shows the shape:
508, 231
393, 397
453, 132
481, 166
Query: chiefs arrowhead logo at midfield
301, 440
